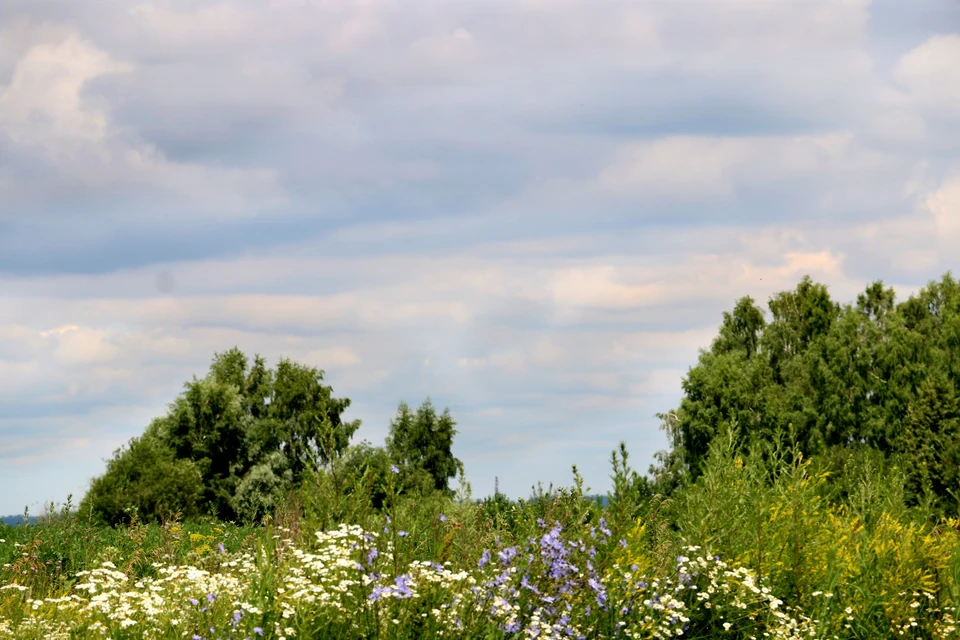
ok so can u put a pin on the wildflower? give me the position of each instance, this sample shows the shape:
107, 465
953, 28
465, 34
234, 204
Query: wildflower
443, 518
222, 549
402, 534
403, 586
393, 469
484, 559
258, 631
507, 555
603, 527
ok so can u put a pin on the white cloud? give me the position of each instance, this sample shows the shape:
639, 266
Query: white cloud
221, 23
84, 346
944, 204
932, 75
332, 357
42, 104
691, 168
596, 287
47, 106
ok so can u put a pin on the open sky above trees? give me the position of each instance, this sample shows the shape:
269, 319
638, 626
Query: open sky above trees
534, 212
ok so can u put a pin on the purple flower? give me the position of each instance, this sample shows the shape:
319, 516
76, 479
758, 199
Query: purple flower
402, 534
393, 469
525, 584
193, 601
603, 527
484, 559
443, 518
258, 631
220, 545
211, 597
623, 543
371, 556
507, 555
376, 593
236, 617
403, 586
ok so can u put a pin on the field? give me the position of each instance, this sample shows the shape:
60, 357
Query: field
754, 549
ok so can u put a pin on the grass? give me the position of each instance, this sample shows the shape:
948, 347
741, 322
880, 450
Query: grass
757, 548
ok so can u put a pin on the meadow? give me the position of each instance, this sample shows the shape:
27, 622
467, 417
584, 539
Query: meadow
758, 547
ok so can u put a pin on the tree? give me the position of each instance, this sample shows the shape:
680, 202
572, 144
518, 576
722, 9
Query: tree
145, 479
930, 442
830, 379
250, 435
306, 418
741, 329
424, 441
207, 424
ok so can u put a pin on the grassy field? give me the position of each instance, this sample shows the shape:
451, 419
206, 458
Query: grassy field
757, 548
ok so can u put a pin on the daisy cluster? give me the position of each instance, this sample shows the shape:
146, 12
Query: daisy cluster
350, 583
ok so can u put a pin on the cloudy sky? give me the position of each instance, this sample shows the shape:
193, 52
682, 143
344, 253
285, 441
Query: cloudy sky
533, 211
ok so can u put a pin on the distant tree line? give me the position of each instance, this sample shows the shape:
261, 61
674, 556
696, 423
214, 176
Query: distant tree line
875, 379
873, 382
238, 440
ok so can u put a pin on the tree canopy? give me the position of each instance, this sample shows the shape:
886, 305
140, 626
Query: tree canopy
423, 441
228, 446
234, 442
874, 374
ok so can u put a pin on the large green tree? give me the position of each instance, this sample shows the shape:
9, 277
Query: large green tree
145, 479
248, 434
831, 379
423, 441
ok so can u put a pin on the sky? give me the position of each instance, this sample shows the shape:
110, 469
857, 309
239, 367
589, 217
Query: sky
532, 211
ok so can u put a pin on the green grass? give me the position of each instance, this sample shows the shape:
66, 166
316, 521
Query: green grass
758, 547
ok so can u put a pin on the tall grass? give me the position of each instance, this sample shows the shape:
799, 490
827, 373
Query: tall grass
759, 546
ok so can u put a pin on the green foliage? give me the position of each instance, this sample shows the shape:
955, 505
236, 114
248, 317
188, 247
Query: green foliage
769, 550
246, 436
860, 567
830, 379
146, 480
423, 442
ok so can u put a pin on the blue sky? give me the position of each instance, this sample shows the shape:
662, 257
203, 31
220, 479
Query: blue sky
533, 211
